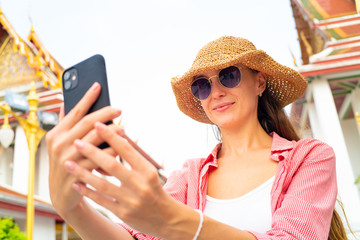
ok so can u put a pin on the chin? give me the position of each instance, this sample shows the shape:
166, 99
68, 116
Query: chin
226, 122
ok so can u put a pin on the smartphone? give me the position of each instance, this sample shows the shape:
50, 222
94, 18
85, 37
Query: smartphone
77, 79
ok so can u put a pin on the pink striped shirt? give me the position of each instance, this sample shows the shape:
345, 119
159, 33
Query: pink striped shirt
302, 197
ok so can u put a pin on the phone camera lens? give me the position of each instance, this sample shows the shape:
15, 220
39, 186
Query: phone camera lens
66, 76
67, 85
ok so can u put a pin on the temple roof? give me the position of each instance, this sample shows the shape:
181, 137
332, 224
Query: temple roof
23, 61
325, 9
338, 56
320, 22
329, 37
48, 60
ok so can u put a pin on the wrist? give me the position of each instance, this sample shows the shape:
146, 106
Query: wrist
183, 224
77, 213
201, 222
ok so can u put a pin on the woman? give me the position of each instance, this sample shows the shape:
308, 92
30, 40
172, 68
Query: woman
260, 182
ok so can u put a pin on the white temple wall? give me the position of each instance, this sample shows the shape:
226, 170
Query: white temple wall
21, 162
44, 228
42, 172
355, 102
314, 122
6, 167
352, 141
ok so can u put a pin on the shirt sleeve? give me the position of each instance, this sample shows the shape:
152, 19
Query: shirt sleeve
305, 206
176, 187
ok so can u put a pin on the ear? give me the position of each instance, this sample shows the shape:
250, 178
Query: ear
261, 79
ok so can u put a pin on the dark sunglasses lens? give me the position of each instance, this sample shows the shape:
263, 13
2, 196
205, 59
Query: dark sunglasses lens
230, 77
201, 88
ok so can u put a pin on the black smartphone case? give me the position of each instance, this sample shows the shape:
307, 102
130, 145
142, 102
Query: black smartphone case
88, 71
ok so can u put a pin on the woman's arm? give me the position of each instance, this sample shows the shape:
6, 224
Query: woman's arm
92, 225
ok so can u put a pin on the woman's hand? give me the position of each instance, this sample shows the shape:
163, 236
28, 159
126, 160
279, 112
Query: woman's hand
75, 125
140, 200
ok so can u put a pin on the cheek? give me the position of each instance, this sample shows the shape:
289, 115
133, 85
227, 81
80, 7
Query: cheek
205, 105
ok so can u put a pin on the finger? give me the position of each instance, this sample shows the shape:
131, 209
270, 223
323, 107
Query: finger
95, 140
103, 160
90, 165
62, 112
111, 152
85, 125
123, 148
82, 107
87, 177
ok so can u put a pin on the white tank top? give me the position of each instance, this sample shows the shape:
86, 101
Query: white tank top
251, 212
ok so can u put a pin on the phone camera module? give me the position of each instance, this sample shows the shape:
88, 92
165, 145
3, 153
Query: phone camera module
67, 85
67, 76
70, 78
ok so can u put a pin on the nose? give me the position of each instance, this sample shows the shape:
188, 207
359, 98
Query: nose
217, 90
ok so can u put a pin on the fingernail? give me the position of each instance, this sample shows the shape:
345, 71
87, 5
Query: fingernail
76, 187
95, 86
100, 126
70, 166
79, 144
118, 111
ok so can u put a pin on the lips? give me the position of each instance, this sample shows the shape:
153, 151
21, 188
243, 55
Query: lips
223, 106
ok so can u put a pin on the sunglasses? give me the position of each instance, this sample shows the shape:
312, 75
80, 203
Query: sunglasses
228, 77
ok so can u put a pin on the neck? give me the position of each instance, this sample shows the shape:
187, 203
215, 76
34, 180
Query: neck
246, 138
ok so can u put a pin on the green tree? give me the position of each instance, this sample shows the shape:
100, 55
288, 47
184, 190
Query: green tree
10, 230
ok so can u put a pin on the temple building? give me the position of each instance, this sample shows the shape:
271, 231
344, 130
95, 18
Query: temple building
23, 61
329, 37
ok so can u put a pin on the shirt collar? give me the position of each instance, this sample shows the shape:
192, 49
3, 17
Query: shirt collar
280, 147
279, 150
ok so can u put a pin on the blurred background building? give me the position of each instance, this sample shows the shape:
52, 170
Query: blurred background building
329, 37
23, 61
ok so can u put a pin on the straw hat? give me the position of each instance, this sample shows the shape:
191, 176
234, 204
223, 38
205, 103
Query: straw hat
283, 83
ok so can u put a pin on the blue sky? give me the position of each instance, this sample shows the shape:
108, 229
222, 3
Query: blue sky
145, 43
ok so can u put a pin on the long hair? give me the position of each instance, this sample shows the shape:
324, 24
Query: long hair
274, 119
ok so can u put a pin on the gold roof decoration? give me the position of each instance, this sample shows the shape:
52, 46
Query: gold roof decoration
14, 69
24, 61
45, 57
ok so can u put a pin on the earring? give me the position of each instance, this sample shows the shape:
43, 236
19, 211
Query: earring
260, 94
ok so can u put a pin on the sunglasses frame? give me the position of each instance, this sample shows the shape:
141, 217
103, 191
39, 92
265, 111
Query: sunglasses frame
208, 79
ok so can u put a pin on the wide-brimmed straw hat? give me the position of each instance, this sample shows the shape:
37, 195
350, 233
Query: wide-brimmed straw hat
284, 84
